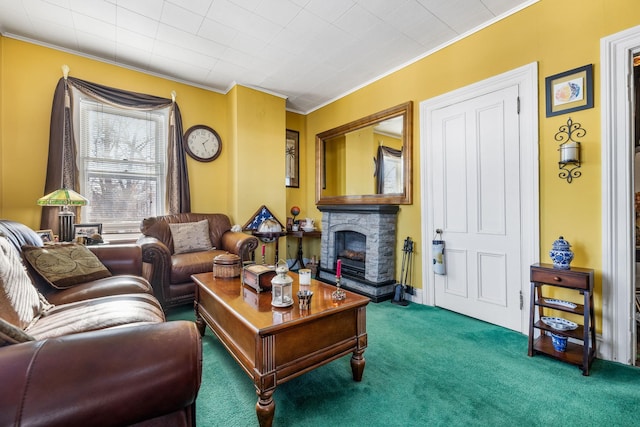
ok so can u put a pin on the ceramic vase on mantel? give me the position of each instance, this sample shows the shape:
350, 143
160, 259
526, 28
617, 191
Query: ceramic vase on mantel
561, 254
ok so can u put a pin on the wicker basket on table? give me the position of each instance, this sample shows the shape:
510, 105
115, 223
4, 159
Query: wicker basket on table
227, 265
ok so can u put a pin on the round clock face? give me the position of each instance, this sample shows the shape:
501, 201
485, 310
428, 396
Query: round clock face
202, 143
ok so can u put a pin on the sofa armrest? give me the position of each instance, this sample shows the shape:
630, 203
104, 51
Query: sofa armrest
116, 376
158, 255
124, 258
241, 244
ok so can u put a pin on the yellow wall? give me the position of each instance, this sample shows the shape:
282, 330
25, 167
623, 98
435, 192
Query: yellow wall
260, 161
300, 196
359, 175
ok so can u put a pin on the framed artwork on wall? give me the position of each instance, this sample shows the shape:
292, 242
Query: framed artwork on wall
292, 153
569, 91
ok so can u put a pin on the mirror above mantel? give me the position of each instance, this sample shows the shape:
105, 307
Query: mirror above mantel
367, 161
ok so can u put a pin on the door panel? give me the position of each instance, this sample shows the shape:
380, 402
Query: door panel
492, 283
455, 281
454, 168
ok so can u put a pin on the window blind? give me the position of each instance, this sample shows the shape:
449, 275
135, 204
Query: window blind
122, 164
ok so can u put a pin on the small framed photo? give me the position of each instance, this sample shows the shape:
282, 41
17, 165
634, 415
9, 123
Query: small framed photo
46, 236
86, 230
292, 153
569, 91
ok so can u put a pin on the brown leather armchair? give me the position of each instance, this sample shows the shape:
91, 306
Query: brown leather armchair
104, 378
171, 273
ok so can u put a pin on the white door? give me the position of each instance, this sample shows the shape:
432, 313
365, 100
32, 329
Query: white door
475, 175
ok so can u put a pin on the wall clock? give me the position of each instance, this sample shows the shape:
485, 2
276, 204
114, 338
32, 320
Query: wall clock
202, 143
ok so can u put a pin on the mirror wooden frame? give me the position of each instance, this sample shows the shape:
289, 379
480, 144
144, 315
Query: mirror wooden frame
406, 197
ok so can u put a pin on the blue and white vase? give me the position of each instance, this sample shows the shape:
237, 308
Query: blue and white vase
561, 254
559, 342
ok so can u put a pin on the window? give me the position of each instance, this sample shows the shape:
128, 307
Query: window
122, 164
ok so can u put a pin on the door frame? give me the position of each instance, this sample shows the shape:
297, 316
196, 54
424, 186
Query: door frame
618, 245
526, 77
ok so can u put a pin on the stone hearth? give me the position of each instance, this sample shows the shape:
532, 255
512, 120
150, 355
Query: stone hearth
377, 223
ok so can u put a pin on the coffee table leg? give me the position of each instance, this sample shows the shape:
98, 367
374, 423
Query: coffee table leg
265, 408
357, 364
199, 320
357, 360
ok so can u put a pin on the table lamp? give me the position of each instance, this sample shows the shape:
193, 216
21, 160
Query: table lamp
64, 198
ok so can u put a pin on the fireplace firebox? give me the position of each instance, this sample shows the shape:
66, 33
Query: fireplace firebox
351, 249
364, 238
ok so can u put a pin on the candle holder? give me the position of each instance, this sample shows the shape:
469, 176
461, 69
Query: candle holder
338, 294
281, 286
569, 150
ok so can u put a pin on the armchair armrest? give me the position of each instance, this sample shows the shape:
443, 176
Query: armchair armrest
158, 255
115, 376
239, 243
122, 258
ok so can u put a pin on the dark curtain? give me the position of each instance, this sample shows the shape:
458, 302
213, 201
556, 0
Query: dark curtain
383, 151
61, 167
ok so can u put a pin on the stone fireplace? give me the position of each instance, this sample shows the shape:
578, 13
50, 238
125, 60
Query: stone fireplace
364, 238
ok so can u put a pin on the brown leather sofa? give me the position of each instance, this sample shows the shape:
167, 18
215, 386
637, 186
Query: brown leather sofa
103, 355
170, 271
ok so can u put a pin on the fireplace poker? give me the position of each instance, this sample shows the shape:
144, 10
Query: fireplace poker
405, 273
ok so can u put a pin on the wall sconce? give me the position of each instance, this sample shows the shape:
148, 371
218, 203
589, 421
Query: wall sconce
569, 150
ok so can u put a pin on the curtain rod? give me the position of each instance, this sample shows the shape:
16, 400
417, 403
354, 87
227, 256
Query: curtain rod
65, 74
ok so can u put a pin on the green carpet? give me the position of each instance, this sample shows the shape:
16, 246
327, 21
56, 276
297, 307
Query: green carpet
427, 366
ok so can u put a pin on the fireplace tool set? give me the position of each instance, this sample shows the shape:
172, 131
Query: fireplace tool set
405, 273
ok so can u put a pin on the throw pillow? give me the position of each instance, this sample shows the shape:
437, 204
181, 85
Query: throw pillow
65, 265
190, 236
20, 301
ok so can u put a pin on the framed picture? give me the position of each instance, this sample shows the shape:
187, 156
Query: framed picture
46, 236
569, 91
86, 230
292, 153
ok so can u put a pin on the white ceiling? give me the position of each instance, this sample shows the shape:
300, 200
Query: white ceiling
309, 51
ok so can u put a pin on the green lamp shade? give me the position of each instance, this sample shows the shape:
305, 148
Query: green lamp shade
63, 197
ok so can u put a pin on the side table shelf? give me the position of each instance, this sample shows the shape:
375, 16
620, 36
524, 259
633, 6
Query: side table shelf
581, 348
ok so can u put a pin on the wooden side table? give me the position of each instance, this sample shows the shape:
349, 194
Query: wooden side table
583, 352
300, 234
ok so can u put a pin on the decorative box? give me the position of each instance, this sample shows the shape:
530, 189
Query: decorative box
226, 265
258, 276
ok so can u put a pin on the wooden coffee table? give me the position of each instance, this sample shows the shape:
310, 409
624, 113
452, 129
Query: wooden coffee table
274, 345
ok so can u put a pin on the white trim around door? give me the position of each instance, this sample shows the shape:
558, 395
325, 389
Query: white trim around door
618, 220
526, 77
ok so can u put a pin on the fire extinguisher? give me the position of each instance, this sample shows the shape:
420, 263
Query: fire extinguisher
437, 253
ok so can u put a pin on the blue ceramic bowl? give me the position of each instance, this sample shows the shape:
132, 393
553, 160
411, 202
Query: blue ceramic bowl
559, 342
